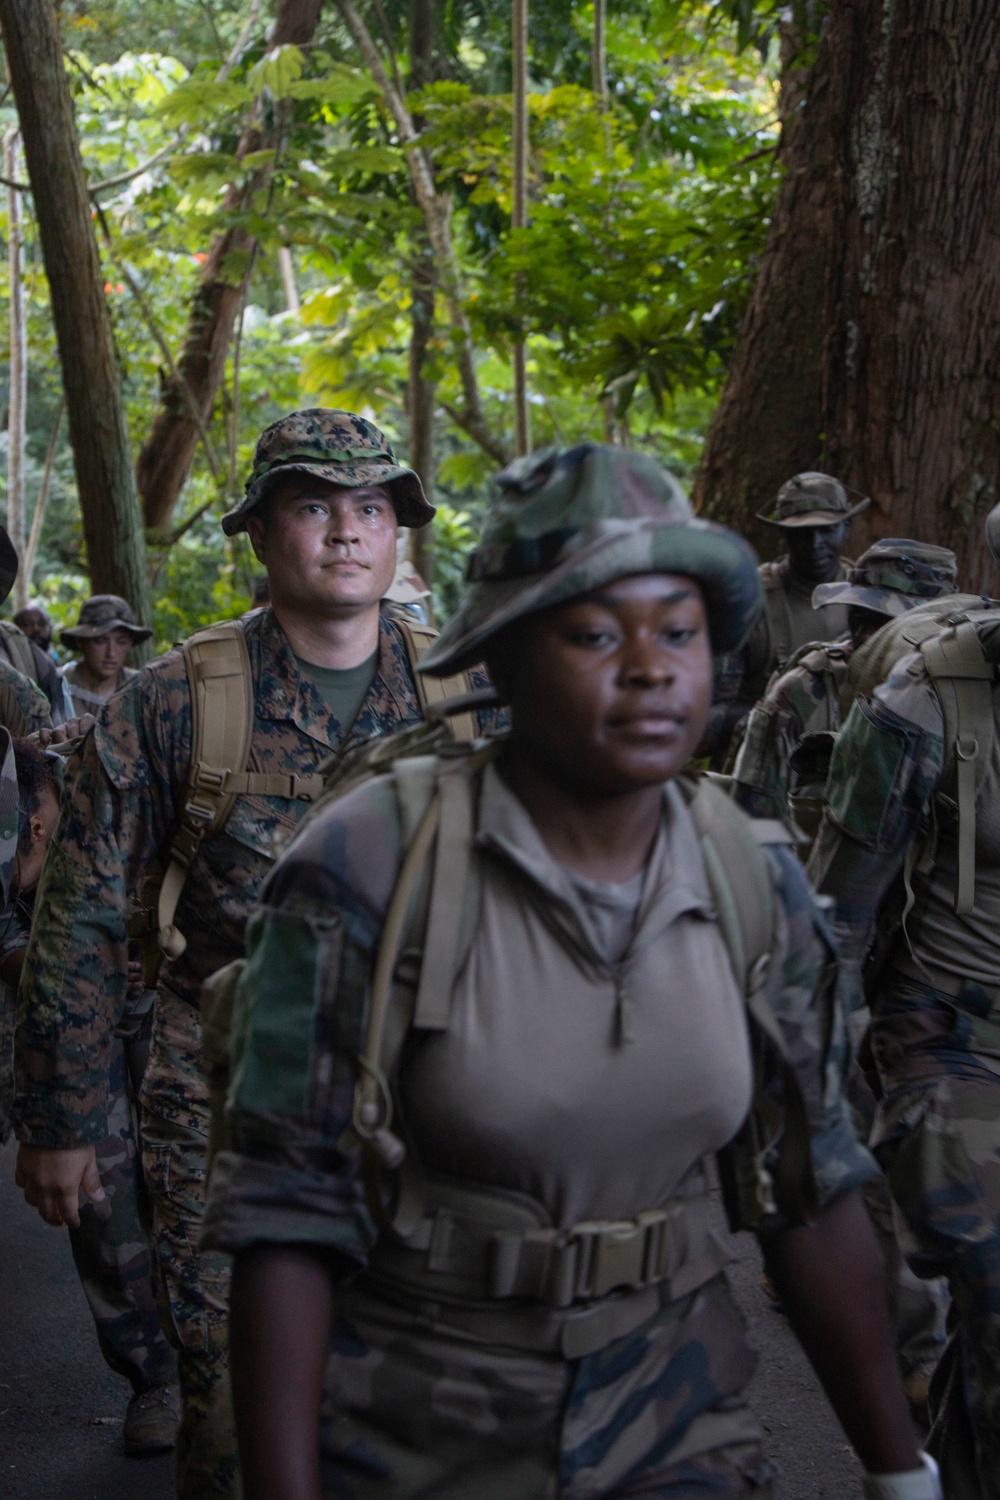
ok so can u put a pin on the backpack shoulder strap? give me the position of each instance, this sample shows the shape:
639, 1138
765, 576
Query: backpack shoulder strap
743, 889
20, 649
220, 680
418, 638
963, 679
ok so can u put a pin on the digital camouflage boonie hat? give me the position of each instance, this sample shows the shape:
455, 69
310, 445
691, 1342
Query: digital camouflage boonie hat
568, 520
99, 615
812, 499
893, 576
333, 445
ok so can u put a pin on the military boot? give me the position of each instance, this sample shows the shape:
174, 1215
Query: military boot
151, 1420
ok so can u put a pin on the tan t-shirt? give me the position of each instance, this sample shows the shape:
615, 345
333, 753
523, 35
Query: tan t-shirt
591, 1083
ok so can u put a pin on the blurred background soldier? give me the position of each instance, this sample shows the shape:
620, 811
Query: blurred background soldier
20, 651
770, 770
909, 849
37, 626
104, 635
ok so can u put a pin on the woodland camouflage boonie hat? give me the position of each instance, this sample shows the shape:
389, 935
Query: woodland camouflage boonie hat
333, 445
568, 520
812, 499
893, 576
99, 615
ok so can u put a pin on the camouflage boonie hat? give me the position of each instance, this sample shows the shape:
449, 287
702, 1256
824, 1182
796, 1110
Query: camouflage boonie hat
992, 530
99, 615
333, 445
568, 520
812, 499
8, 813
893, 576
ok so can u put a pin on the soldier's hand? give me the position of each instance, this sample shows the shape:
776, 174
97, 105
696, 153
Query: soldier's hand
73, 729
52, 1181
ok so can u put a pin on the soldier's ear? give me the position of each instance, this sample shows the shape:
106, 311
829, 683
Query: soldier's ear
257, 531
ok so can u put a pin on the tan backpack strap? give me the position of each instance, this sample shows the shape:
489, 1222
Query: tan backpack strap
444, 919
418, 639
963, 679
20, 649
221, 687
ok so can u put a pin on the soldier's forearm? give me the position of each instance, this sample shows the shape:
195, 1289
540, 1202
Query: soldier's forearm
281, 1306
831, 1280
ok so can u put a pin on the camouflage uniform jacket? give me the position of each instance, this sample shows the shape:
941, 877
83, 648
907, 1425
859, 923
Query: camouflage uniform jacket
120, 811
23, 708
885, 770
312, 943
802, 700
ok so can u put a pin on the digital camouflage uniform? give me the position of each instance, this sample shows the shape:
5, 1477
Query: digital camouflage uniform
420, 1398
891, 577
120, 812
935, 1032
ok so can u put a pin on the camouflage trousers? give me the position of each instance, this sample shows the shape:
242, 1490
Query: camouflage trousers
111, 1247
917, 1308
8, 1015
192, 1285
937, 1136
414, 1409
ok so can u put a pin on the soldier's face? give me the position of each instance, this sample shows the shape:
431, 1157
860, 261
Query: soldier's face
611, 692
863, 623
105, 654
814, 551
327, 549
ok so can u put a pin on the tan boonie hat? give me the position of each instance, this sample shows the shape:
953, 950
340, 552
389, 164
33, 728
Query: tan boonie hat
99, 615
813, 499
567, 521
893, 576
333, 445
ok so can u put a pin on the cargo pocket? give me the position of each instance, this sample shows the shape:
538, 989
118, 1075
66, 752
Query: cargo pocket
187, 1285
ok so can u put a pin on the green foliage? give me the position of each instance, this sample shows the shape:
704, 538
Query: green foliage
646, 226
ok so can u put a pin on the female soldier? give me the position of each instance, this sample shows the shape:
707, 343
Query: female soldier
576, 1006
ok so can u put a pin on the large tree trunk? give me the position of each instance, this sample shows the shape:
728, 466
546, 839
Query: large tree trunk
18, 383
167, 453
112, 525
870, 347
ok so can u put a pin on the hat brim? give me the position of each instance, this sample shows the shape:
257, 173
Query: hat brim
722, 563
817, 517
74, 634
405, 490
880, 601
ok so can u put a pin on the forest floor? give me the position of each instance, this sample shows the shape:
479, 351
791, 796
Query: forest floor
61, 1408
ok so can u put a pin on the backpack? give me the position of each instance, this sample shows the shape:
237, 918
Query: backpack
958, 636
222, 718
428, 931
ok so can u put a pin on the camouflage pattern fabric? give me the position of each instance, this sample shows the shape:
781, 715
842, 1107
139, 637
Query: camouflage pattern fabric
111, 1247
937, 1127
24, 709
337, 446
119, 813
801, 701
813, 499
893, 576
567, 520
412, 1410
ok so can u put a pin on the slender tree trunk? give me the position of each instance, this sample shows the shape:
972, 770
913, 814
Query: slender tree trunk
598, 55
112, 525
871, 346
420, 392
38, 519
519, 204
167, 453
287, 268
18, 397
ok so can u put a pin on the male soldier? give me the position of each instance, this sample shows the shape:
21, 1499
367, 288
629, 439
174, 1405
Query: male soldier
329, 671
813, 512
911, 824
893, 576
37, 626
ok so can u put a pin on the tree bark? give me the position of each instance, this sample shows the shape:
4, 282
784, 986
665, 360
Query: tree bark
870, 346
112, 527
420, 392
168, 451
18, 366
